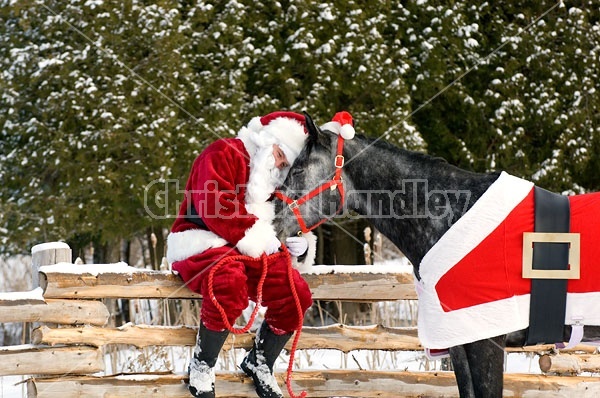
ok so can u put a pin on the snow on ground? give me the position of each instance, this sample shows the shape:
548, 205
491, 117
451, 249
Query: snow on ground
9, 387
178, 359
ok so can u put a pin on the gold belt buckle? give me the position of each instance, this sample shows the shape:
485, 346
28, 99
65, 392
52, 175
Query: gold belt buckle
529, 238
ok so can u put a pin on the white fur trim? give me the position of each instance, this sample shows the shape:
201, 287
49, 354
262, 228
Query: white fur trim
246, 136
346, 131
261, 182
290, 154
263, 210
258, 190
439, 329
288, 132
583, 307
181, 245
290, 135
475, 225
255, 140
257, 239
472, 323
255, 124
306, 265
334, 127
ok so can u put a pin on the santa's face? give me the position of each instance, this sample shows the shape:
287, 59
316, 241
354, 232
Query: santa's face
281, 161
268, 169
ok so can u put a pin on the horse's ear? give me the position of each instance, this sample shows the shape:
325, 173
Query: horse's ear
313, 130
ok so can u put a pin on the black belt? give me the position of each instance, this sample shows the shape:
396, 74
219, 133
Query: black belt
193, 217
549, 296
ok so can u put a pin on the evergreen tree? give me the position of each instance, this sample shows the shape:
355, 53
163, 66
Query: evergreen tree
90, 117
511, 87
104, 105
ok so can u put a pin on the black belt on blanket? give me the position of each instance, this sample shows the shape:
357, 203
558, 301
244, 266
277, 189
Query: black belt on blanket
549, 296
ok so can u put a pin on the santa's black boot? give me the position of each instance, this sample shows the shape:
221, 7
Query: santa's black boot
202, 365
258, 364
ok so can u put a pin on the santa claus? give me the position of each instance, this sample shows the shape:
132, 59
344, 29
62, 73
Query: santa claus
226, 211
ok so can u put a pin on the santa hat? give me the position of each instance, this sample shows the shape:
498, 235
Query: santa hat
341, 124
287, 128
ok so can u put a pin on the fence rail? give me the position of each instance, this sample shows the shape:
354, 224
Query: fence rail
72, 281
318, 384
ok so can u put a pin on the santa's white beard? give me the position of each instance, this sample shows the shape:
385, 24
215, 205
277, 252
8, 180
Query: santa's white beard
264, 176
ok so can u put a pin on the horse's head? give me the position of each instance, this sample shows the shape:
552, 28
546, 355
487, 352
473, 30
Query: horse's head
312, 191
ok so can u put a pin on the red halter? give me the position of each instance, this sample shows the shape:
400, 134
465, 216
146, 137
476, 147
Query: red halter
335, 182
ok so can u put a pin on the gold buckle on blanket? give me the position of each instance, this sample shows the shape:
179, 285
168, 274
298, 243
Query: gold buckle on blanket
529, 238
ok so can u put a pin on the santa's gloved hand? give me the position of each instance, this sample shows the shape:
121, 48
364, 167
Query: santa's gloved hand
297, 245
272, 246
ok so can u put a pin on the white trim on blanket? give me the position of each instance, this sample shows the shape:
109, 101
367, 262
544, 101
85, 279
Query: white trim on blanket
439, 329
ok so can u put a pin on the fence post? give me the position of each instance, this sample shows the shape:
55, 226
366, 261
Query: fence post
48, 254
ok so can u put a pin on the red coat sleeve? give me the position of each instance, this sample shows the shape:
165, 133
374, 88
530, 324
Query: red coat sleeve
217, 188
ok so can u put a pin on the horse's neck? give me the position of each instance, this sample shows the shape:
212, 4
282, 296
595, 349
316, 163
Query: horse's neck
411, 198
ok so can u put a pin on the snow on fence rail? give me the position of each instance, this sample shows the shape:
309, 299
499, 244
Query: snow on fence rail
65, 356
72, 281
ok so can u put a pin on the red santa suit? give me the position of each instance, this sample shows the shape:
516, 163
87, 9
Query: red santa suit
471, 285
226, 212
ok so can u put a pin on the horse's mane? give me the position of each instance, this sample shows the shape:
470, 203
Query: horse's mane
381, 144
389, 147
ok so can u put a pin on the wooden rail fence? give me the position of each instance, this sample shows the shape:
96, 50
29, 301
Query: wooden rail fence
65, 357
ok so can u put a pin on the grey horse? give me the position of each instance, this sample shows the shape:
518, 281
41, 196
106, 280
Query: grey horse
372, 169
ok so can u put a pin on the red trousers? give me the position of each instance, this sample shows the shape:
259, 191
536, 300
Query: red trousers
235, 282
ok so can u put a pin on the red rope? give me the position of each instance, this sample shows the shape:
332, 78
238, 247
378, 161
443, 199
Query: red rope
288, 378
261, 281
265, 265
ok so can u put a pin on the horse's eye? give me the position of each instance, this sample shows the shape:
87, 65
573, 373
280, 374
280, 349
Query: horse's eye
296, 172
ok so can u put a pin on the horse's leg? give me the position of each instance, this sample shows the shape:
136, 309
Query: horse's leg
479, 367
460, 363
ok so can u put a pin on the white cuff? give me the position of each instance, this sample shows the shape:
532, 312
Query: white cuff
181, 245
306, 266
256, 239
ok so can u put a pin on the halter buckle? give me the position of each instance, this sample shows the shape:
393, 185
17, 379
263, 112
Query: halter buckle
339, 161
293, 205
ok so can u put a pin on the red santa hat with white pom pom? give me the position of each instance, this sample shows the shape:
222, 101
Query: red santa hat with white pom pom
341, 124
287, 128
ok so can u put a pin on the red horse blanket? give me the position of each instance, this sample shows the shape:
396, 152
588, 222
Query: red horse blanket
471, 286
